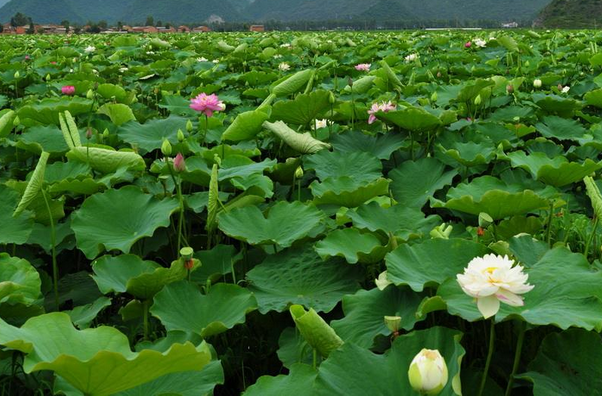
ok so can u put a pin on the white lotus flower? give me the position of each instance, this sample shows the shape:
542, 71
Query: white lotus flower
480, 43
491, 279
215, 61
428, 372
201, 59
277, 56
123, 70
284, 66
537, 83
321, 123
89, 49
285, 45
565, 89
411, 57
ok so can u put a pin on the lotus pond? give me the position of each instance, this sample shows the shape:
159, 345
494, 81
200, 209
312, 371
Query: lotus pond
301, 214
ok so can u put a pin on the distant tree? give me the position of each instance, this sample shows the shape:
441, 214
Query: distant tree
167, 25
159, 24
119, 25
32, 28
93, 28
19, 19
66, 25
150, 21
103, 24
1, 28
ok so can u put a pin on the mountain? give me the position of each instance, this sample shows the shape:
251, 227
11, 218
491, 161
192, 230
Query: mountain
197, 11
571, 14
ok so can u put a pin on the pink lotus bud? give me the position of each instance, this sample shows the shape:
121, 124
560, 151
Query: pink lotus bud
89, 133
468, 44
68, 90
178, 163
510, 88
27, 57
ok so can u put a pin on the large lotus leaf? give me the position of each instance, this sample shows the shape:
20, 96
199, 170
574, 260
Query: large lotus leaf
19, 281
293, 83
567, 364
302, 143
117, 112
413, 182
293, 348
180, 306
13, 229
365, 312
361, 86
473, 88
42, 138
318, 334
431, 262
557, 104
82, 316
112, 273
560, 128
116, 219
241, 166
303, 109
566, 293
360, 166
400, 220
109, 91
380, 146
47, 110
494, 197
177, 106
34, 185
215, 262
470, 153
411, 119
6, 122
150, 135
347, 192
284, 224
107, 160
594, 98
95, 361
352, 245
191, 383
556, 172
245, 126
299, 276
299, 382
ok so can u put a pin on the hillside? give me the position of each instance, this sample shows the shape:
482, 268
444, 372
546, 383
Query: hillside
193, 11
571, 14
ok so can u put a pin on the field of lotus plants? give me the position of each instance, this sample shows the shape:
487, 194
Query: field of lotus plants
337, 213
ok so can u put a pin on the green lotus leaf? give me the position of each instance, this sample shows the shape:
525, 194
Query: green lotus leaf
360, 166
556, 172
361, 86
567, 364
40, 139
402, 221
116, 219
509, 43
245, 126
365, 312
180, 306
413, 182
411, 119
566, 294
47, 110
177, 106
82, 316
240, 166
314, 329
299, 276
431, 262
95, 361
6, 123
293, 83
560, 128
303, 109
293, 348
216, 262
390, 74
470, 151
494, 197
347, 192
352, 245
150, 135
474, 88
299, 382
13, 229
107, 160
117, 112
380, 146
34, 185
109, 91
302, 143
19, 281
284, 224
112, 273
564, 107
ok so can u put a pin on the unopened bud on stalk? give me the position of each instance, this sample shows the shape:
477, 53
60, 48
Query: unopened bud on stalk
537, 83
189, 126
90, 94
299, 172
181, 136
478, 100
179, 164
392, 323
428, 372
166, 148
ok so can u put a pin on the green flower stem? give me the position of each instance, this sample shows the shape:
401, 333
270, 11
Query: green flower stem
178, 183
489, 355
55, 268
145, 308
517, 353
590, 238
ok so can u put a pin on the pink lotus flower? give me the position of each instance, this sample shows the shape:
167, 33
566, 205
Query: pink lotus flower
178, 163
68, 90
27, 57
382, 107
365, 67
53, 62
207, 104
468, 44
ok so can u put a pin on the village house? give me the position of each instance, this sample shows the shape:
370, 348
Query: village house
199, 29
257, 28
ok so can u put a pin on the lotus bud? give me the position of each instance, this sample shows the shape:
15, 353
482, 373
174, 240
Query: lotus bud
331, 98
48, 77
166, 148
559, 87
510, 88
478, 100
299, 172
485, 219
89, 133
350, 82
442, 231
189, 126
434, 97
392, 323
181, 136
105, 133
90, 94
16, 121
439, 75
179, 164
186, 253
17, 74
537, 83
428, 372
